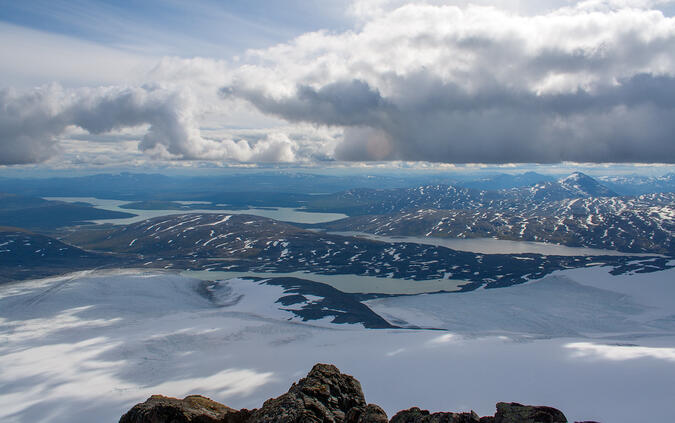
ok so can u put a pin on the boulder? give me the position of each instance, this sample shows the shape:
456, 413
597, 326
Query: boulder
191, 409
369, 414
518, 413
415, 415
325, 395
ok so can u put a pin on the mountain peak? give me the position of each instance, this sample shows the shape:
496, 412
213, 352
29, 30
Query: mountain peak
586, 185
577, 176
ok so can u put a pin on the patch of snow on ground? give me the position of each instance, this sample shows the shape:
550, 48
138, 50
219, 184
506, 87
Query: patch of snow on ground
94, 344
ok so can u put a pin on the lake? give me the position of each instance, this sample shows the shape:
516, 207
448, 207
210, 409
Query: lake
495, 246
285, 214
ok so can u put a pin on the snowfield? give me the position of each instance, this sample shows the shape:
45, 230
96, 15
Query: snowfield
87, 346
576, 302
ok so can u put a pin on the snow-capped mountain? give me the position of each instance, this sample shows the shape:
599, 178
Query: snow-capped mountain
631, 224
585, 186
575, 223
448, 197
576, 185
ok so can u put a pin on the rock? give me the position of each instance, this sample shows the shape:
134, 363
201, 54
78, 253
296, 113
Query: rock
369, 414
191, 409
518, 413
325, 395
415, 415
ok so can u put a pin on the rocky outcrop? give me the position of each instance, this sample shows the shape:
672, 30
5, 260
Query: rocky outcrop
193, 409
415, 415
325, 395
518, 413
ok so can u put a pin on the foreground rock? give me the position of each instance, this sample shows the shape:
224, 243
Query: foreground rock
516, 413
325, 395
194, 408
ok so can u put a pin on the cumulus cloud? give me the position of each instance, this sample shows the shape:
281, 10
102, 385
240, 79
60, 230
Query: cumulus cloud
592, 82
463, 81
31, 124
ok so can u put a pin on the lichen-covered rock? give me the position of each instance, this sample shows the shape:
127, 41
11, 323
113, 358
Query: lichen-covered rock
191, 409
415, 415
518, 413
325, 395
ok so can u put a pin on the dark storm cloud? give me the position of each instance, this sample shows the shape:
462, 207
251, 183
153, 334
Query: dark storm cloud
591, 82
428, 119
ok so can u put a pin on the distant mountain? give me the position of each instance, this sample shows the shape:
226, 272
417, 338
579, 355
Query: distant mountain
40, 214
638, 184
448, 197
118, 186
576, 185
506, 181
374, 201
141, 186
585, 186
17, 202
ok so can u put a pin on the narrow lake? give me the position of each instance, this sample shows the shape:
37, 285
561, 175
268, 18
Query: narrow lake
285, 214
495, 246
344, 283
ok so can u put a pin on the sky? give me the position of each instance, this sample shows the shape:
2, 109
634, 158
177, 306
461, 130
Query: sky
312, 83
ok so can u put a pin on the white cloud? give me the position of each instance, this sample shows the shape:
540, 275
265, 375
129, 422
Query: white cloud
480, 84
32, 123
442, 81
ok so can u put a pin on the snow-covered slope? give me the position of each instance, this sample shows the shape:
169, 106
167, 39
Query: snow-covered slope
94, 344
557, 305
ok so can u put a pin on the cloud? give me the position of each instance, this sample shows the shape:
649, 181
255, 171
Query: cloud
31, 58
439, 81
31, 124
591, 82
